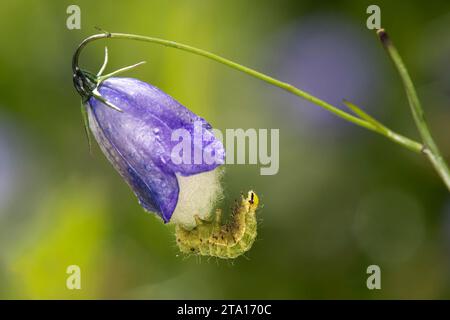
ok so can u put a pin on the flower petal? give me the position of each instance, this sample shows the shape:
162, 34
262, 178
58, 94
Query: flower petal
146, 102
138, 140
157, 191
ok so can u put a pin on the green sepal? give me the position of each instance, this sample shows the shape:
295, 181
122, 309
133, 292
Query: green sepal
84, 116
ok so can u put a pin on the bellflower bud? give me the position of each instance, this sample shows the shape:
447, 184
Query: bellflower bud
138, 142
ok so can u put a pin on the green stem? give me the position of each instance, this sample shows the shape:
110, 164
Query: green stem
430, 148
397, 138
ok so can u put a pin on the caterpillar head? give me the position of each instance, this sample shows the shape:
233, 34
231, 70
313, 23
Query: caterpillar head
252, 201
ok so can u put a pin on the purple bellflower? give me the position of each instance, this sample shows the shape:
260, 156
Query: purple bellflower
133, 123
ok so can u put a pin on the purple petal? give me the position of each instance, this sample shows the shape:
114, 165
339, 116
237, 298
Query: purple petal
138, 141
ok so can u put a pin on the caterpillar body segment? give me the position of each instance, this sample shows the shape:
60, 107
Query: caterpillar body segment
211, 238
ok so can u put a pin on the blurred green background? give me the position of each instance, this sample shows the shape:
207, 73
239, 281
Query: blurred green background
342, 200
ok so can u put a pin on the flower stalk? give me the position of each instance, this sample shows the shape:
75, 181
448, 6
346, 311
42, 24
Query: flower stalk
430, 148
360, 118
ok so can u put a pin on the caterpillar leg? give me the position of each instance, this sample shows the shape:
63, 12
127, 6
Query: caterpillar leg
218, 217
210, 238
198, 221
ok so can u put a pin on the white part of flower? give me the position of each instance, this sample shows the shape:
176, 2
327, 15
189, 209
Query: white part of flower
198, 195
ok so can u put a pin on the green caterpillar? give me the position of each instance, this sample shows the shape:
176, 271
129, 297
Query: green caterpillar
210, 238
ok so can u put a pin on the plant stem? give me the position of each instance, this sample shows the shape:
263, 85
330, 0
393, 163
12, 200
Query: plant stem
430, 148
370, 125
